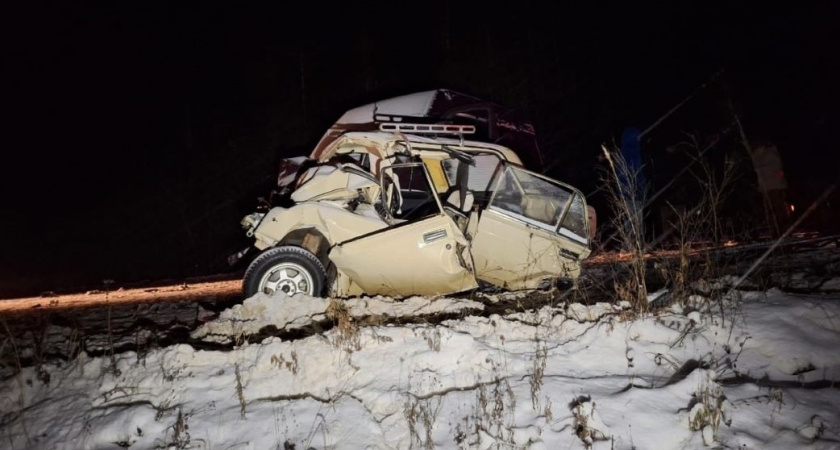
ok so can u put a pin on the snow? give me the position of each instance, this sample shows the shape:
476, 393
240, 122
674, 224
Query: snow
294, 313
563, 376
832, 284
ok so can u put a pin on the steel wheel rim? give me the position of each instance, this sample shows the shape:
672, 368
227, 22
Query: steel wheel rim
289, 278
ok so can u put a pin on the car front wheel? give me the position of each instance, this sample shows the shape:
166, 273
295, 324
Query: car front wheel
292, 270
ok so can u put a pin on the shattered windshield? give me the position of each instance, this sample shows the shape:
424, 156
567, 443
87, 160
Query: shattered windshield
540, 202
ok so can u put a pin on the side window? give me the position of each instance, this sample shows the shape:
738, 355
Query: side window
531, 198
480, 174
407, 192
575, 221
540, 203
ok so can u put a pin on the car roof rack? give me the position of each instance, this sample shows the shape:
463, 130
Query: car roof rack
424, 128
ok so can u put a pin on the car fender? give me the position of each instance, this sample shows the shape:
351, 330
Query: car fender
333, 221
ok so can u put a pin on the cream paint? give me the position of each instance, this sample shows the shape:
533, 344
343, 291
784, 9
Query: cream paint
342, 182
511, 254
400, 261
336, 223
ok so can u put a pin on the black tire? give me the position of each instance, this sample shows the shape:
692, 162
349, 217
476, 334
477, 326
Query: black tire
290, 269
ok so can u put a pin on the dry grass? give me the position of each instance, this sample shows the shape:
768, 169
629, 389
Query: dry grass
421, 415
538, 372
347, 330
290, 364
694, 227
19, 378
626, 200
708, 410
240, 391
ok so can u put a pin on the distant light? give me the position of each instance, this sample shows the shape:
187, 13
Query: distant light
791, 207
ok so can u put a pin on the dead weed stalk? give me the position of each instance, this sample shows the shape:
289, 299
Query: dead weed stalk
240, 391
627, 199
538, 372
347, 335
19, 378
703, 223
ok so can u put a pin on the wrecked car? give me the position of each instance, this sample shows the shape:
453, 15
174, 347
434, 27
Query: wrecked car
414, 209
490, 122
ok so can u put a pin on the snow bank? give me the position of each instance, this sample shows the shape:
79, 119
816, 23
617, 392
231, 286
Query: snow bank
793, 337
553, 378
300, 311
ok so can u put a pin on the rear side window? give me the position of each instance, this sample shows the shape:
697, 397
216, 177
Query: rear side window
575, 220
541, 203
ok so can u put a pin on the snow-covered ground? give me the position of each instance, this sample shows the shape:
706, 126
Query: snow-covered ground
761, 376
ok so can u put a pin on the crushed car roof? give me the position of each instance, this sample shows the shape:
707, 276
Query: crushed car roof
494, 123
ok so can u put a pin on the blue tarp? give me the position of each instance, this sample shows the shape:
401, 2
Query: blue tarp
631, 150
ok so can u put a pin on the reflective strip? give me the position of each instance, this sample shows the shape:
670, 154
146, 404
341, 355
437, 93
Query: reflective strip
436, 172
434, 236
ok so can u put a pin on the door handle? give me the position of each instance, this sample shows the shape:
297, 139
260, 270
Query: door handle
434, 235
569, 254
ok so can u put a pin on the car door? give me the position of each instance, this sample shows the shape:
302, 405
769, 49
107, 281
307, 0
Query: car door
532, 232
422, 253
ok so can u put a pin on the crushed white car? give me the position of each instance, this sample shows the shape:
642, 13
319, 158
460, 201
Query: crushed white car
414, 209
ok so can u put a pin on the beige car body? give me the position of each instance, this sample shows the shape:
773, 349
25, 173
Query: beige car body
520, 244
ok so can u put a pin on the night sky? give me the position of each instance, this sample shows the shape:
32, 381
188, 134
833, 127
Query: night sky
136, 135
